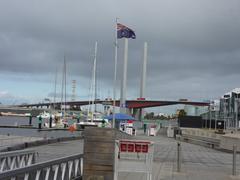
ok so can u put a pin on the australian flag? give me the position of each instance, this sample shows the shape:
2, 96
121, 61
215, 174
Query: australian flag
124, 32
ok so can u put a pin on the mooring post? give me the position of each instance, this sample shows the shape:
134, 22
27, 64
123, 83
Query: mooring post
178, 157
30, 119
234, 160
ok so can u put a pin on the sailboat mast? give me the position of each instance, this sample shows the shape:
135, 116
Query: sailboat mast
55, 91
65, 86
62, 88
94, 78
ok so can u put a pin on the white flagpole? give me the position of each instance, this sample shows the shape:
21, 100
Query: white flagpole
115, 73
124, 81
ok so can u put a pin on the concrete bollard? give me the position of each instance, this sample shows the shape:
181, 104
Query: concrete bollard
234, 160
178, 157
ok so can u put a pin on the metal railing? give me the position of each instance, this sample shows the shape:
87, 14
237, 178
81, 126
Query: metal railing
16, 159
70, 167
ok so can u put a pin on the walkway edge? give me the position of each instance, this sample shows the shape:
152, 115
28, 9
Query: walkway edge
39, 143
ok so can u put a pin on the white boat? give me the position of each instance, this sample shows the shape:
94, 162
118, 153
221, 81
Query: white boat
45, 115
95, 121
14, 114
83, 124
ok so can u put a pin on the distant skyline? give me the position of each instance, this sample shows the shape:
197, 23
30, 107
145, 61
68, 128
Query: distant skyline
194, 47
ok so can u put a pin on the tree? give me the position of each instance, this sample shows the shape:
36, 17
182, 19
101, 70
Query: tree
182, 113
149, 115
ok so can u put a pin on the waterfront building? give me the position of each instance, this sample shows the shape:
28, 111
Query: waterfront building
229, 108
225, 110
195, 110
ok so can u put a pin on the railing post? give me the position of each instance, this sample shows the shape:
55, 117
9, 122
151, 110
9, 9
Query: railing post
234, 160
178, 157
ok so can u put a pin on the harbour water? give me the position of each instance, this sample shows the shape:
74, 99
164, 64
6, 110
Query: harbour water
13, 121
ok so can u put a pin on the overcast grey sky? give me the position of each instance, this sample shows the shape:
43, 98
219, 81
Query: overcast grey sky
194, 46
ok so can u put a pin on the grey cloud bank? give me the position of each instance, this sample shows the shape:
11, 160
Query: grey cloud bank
194, 46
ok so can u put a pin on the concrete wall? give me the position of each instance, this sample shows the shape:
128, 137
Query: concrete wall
227, 141
200, 132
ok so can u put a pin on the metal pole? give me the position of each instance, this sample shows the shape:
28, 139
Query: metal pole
55, 91
234, 160
224, 115
215, 119
206, 119
210, 116
124, 81
115, 74
94, 77
236, 114
178, 157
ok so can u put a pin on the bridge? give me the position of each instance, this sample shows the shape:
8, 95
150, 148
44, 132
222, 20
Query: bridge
131, 104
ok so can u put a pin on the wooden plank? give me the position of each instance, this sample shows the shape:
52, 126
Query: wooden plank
97, 167
98, 144
90, 172
101, 162
96, 149
97, 175
99, 159
104, 132
99, 138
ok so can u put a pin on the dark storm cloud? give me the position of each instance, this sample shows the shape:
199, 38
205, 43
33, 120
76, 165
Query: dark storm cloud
192, 44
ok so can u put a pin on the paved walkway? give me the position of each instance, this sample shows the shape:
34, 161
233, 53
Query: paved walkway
58, 150
199, 163
6, 141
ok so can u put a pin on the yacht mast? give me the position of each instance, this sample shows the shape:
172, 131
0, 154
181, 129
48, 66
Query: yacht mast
65, 86
94, 77
64, 89
93, 91
55, 91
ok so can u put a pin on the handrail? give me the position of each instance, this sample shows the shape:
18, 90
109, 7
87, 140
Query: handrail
15, 153
70, 166
16, 159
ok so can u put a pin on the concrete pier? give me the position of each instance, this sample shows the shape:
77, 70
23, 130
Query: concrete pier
198, 162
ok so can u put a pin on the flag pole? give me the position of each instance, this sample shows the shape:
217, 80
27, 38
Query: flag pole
115, 73
124, 80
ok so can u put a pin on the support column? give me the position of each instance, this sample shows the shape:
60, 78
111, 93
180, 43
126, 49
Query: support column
143, 79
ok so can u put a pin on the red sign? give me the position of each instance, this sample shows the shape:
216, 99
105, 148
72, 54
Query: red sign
130, 147
141, 99
130, 121
145, 148
123, 147
134, 146
138, 148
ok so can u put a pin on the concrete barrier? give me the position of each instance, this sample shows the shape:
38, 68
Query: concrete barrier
227, 141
